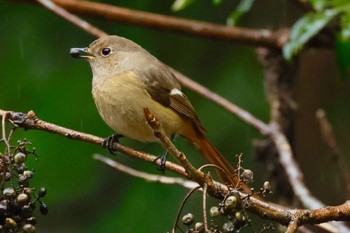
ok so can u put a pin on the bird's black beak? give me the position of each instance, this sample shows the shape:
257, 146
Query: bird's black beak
80, 53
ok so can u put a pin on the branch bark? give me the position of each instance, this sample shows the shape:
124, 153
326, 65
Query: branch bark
255, 37
30, 121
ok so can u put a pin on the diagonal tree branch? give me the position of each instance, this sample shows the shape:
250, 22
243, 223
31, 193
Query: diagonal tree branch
255, 37
72, 18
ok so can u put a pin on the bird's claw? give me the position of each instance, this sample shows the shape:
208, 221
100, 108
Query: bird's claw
109, 141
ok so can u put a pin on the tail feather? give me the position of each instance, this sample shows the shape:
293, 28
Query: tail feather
198, 138
215, 157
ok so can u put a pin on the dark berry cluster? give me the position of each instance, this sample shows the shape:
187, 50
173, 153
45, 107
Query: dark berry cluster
18, 200
232, 208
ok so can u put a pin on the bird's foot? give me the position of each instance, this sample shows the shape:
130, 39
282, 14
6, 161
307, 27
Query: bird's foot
109, 141
162, 158
161, 166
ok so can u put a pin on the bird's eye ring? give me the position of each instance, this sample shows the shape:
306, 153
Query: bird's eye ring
105, 52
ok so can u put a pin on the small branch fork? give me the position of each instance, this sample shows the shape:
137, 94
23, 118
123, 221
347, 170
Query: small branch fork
192, 172
215, 189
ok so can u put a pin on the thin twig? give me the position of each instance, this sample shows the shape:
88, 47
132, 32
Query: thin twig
204, 200
4, 164
72, 18
216, 167
182, 206
329, 138
146, 176
192, 172
4, 138
292, 226
326, 130
239, 168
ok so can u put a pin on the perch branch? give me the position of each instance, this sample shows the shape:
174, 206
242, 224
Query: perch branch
30, 121
264, 209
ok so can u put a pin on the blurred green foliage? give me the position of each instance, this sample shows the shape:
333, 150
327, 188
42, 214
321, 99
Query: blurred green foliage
242, 8
37, 73
313, 22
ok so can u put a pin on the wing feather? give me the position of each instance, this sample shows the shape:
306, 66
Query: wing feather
160, 81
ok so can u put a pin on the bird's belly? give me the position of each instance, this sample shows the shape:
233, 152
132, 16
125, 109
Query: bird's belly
121, 105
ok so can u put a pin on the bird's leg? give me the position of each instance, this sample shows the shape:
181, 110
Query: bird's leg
162, 158
109, 141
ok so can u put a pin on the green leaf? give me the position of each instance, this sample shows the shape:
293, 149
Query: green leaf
345, 26
179, 5
216, 2
319, 5
305, 28
243, 7
342, 51
338, 3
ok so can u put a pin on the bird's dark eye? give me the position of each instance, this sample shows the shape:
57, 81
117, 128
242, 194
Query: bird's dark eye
106, 51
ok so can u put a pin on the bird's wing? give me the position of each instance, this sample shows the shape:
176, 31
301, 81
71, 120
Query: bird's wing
162, 86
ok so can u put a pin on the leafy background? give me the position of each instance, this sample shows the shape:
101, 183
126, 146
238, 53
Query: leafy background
37, 73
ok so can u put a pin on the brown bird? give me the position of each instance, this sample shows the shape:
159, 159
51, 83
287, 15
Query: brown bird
127, 79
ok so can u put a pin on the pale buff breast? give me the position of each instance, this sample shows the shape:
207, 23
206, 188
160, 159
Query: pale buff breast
120, 101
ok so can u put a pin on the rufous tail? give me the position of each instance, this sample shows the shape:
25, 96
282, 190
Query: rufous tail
214, 156
228, 174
